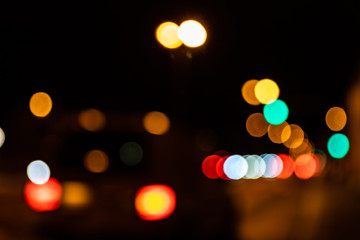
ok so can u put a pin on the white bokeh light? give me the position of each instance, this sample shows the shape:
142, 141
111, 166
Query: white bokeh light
192, 33
38, 172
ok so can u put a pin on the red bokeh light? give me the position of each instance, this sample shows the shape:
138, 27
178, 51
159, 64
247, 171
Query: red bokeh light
209, 166
288, 166
220, 168
44, 197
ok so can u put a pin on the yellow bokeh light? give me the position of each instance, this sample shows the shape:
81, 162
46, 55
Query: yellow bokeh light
248, 92
279, 133
40, 104
256, 125
96, 161
167, 35
76, 194
192, 33
336, 118
92, 119
156, 123
155, 202
266, 91
296, 137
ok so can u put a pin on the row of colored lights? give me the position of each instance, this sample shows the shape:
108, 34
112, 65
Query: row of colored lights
235, 167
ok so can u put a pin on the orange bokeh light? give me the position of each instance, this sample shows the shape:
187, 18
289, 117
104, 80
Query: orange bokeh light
288, 166
45, 197
306, 165
155, 202
256, 125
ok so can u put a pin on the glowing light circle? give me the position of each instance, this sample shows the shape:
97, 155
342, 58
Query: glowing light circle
235, 167
274, 165
40, 104
167, 35
2, 137
338, 145
38, 172
155, 202
209, 166
192, 33
266, 91
276, 112
44, 197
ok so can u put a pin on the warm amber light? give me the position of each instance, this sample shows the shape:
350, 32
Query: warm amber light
336, 118
76, 194
256, 125
92, 120
96, 161
40, 104
279, 133
167, 35
248, 92
305, 147
192, 33
296, 137
156, 123
266, 91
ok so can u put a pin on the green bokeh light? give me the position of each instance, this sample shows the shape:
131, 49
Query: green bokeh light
276, 112
131, 153
338, 145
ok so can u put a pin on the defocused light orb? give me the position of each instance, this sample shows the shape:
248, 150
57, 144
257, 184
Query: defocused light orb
192, 33
235, 167
256, 125
209, 166
274, 165
288, 166
279, 133
96, 161
336, 118
44, 197
220, 168
254, 166
156, 122
248, 92
155, 202
266, 91
276, 112
305, 166
296, 136
76, 194
305, 147
322, 161
2, 137
40, 104
38, 172
167, 35
92, 120
338, 145
131, 153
